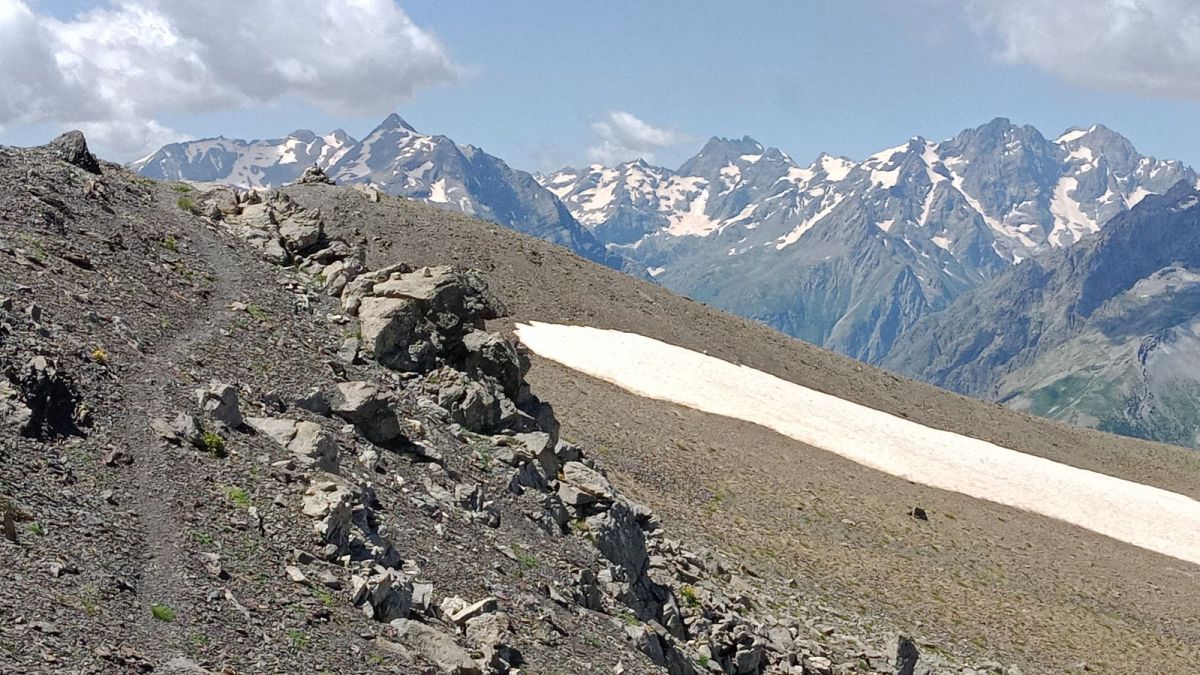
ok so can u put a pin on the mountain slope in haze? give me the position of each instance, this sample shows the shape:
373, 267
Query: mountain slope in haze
1103, 334
397, 160
256, 163
851, 254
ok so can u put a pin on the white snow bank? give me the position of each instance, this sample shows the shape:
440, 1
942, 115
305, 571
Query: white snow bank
1148, 517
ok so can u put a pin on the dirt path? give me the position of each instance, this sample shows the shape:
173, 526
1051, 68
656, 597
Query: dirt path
162, 577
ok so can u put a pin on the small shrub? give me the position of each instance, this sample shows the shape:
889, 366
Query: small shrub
703, 661
689, 595
238, 496
527, 560
188, 204
299, 640
182, 187
256, 312
162, 612
199, 640
484, 454
100, 356
213, 443
324, 596
35, 528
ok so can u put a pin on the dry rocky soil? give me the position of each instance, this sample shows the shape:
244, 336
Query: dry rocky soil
292, 432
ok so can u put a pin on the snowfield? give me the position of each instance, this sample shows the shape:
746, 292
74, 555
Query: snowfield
1147, 517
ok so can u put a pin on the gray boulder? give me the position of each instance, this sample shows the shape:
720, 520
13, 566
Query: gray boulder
315, 446
436, 646
490, 355
366, 407
396, 334
301, 231
188, 429
589, 481
384, 596
14, 414
280, 430
413, 317
72, 148
219, 401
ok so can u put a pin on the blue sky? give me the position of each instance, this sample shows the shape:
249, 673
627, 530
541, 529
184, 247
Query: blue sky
531, 79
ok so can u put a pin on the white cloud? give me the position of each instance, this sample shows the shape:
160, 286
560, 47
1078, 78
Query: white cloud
1148, 47
622, 137
117, 69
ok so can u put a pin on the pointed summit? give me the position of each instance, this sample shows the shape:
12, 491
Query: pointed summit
394, 122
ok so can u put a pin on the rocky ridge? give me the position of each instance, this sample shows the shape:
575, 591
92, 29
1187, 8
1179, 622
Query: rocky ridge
385, 482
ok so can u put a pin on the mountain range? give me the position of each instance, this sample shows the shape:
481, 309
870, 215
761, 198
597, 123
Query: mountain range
397, 160
1102, 334
883, 259
850, 255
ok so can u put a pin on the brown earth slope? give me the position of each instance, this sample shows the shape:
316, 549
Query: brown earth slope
976, 578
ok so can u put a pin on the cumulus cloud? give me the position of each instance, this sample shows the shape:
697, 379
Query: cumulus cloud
117, 69
1148, 47
622, 137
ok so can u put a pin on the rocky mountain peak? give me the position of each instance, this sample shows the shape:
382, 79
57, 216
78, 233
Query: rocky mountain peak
999, 137
1100, 141
718, 153
395, 122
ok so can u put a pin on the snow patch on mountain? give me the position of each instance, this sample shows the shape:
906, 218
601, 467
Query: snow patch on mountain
792, 237
1070, 222
1144, 516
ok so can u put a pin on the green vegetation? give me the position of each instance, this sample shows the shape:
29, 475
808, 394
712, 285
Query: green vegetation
199, 640
182, 187
1061, 393
238, 496
689, 595
213, 443
162, 612
188, 204
630, 619
324, 596
299, 640
256, 312
714, 502
527, 560
484, 453
35, 528
168, 242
